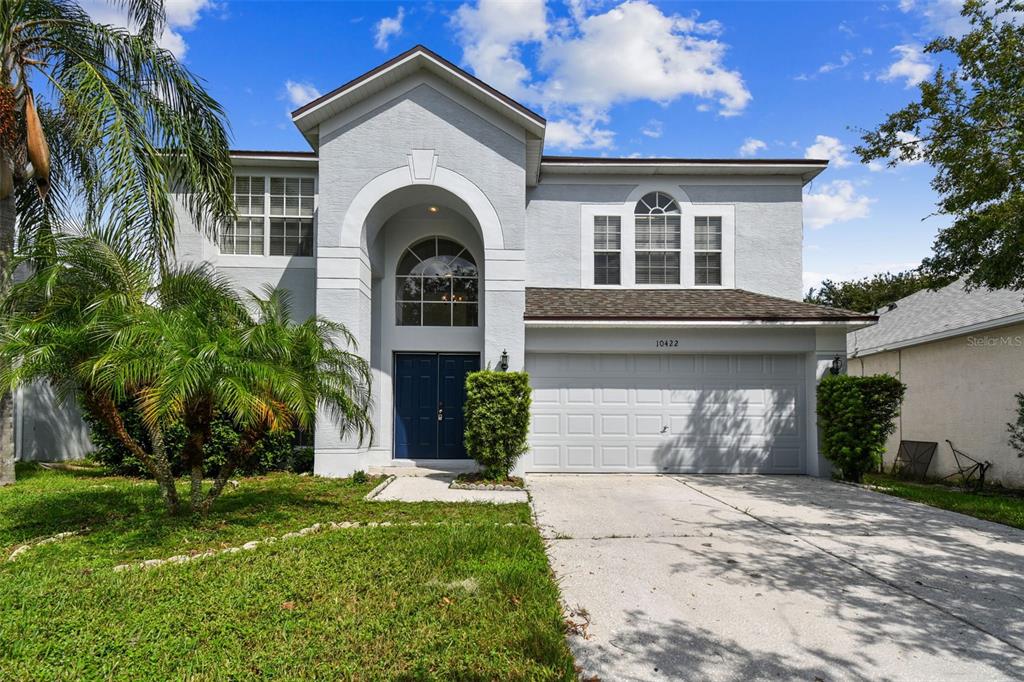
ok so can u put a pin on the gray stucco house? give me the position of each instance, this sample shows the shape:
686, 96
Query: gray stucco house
961, 355
655, 302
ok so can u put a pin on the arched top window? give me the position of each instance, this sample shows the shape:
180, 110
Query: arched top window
656, 203
658, 239
436, 285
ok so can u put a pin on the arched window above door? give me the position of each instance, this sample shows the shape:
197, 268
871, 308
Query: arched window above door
437, 284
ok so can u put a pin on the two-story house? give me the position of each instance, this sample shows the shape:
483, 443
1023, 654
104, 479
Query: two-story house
654, 302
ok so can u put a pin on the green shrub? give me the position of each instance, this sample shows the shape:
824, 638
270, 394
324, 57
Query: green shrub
497, 419
274, 453
856, 416
1016, 429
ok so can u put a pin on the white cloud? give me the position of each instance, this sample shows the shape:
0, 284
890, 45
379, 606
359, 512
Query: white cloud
591, 61
182, 15
844, 61
834, 202
491, 33
652, 129
300, 93
388, 28
570, 135
912, 66
827, 147
751, 146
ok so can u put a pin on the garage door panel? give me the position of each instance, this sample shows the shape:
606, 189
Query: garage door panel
614, 456
614, 396
580, 455
580, 424
684, 413
614, 425
546, 424
649, 424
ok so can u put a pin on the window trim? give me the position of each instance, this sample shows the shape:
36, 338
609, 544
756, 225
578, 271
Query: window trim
605, 251
719, 250
664, 251
266, 260
627, 263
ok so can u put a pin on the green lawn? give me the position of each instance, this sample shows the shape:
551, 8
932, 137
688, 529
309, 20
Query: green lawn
1001, 506
466, 597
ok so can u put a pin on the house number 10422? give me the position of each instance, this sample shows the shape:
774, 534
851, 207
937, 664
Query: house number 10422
667, 343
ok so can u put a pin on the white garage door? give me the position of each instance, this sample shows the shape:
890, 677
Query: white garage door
681, 413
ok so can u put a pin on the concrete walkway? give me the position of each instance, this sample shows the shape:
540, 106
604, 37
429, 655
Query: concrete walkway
758, 577
434, 488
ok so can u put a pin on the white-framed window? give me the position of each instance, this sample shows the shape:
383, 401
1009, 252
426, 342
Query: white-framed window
291, 216
245, 235
275, 217
658, 239
607, 249
707, 250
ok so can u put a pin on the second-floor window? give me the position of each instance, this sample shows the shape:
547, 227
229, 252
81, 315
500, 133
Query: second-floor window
275, 217
245, 235
707, 250
607, 249
658, 239
291, 216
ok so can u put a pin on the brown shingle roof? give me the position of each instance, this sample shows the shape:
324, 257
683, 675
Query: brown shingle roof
676, 304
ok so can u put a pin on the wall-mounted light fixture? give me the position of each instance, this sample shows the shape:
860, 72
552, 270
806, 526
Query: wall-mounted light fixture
837, 365
503, 361
433, 209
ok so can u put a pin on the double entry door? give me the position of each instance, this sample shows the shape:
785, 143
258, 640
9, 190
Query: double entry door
430, 391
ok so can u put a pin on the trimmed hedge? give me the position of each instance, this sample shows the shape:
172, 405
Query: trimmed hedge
275, 453
497, 419
856, 415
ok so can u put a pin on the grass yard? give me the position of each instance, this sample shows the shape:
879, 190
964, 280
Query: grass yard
1001, 506
464, 597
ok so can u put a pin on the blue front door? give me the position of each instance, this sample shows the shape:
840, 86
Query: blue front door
430, 390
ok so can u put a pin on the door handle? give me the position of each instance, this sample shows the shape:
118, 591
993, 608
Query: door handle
440, 412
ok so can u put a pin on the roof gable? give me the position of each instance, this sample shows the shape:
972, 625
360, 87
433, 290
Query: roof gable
309, 116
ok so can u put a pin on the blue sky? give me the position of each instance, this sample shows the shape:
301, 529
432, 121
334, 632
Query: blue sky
642, 77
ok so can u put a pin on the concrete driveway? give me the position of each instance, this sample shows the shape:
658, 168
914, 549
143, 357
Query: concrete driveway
793, 578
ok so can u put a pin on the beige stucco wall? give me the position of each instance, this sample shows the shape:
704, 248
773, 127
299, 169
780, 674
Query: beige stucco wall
959, 389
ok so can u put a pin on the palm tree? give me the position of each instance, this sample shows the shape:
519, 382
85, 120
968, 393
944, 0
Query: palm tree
98, 125
92, 322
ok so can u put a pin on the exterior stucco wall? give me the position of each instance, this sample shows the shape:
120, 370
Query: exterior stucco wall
768, 253
959, 389
428, 116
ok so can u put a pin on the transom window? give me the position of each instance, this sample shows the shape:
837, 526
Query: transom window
275, 216
607, 249
707, 250
436, 285
658, 239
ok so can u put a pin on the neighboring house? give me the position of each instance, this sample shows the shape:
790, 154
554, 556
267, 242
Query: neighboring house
654, 302
961, 355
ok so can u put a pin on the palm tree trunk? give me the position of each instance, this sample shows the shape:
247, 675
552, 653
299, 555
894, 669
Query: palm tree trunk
7, 228
246, 445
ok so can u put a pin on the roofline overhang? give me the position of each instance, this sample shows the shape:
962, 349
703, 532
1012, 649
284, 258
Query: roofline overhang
248, 157
310, 115
805, 169
996, 323
554, 323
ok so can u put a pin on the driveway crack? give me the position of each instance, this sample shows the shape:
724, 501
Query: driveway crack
857, 567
